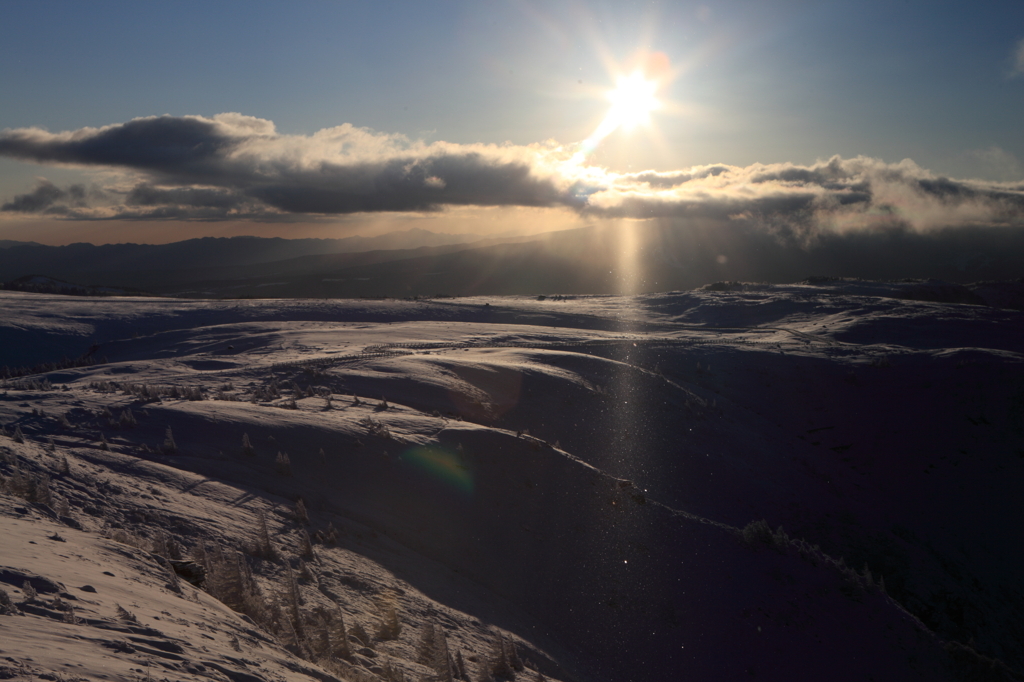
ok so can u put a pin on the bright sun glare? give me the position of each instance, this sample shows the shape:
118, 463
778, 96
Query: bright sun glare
632, 101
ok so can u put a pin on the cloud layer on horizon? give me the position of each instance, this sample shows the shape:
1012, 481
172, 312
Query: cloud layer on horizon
232, 167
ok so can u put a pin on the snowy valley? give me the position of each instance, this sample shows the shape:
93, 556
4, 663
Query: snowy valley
744, 481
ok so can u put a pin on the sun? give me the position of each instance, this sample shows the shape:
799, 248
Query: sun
632, 101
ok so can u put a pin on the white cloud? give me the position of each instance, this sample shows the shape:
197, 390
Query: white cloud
1017, 59
238, 167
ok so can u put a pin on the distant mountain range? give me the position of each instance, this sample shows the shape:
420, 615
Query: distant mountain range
144, 264
41, 284
628, 258
7, 243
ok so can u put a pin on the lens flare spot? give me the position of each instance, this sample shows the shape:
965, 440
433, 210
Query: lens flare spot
442, 464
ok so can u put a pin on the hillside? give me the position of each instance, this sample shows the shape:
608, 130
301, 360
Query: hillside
629, 257
805, 481
634, 258
147, 265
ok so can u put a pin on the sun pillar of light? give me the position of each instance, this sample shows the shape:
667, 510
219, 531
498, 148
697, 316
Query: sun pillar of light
630, 268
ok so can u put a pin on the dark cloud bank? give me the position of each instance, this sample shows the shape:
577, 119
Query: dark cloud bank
233, 162
238, 167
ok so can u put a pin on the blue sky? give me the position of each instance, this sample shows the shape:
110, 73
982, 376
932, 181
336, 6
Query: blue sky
941, 83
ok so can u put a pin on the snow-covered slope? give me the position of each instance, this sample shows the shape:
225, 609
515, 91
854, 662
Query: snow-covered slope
598, 480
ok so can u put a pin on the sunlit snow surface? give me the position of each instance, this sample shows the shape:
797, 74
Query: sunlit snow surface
570, 472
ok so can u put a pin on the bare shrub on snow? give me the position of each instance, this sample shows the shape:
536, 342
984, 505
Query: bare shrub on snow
31, 488
327, 537
305, 574
359, 633
125, 614
166, 546
376, 427
300, 514
229, 579
484, 672
127, 538
855, 583
460, 667
390, 627
337, 637
502, 666
306, 546
432, 651
262, 548
169, 446
127, 419
283, 464
30, 592
760, 533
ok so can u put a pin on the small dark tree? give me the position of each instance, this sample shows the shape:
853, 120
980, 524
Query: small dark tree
170, 447
390, 627
173, 582
300, 513
38, 490
460, 666
306, 546
283, 464
339, 637
247, 448
127, 419
443, 662
427, 644
263, 548
484, 672
513, 657
293, 626
166, 546
6, 603
30, 592
432, 651
359, 632
294, 594
501, 668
